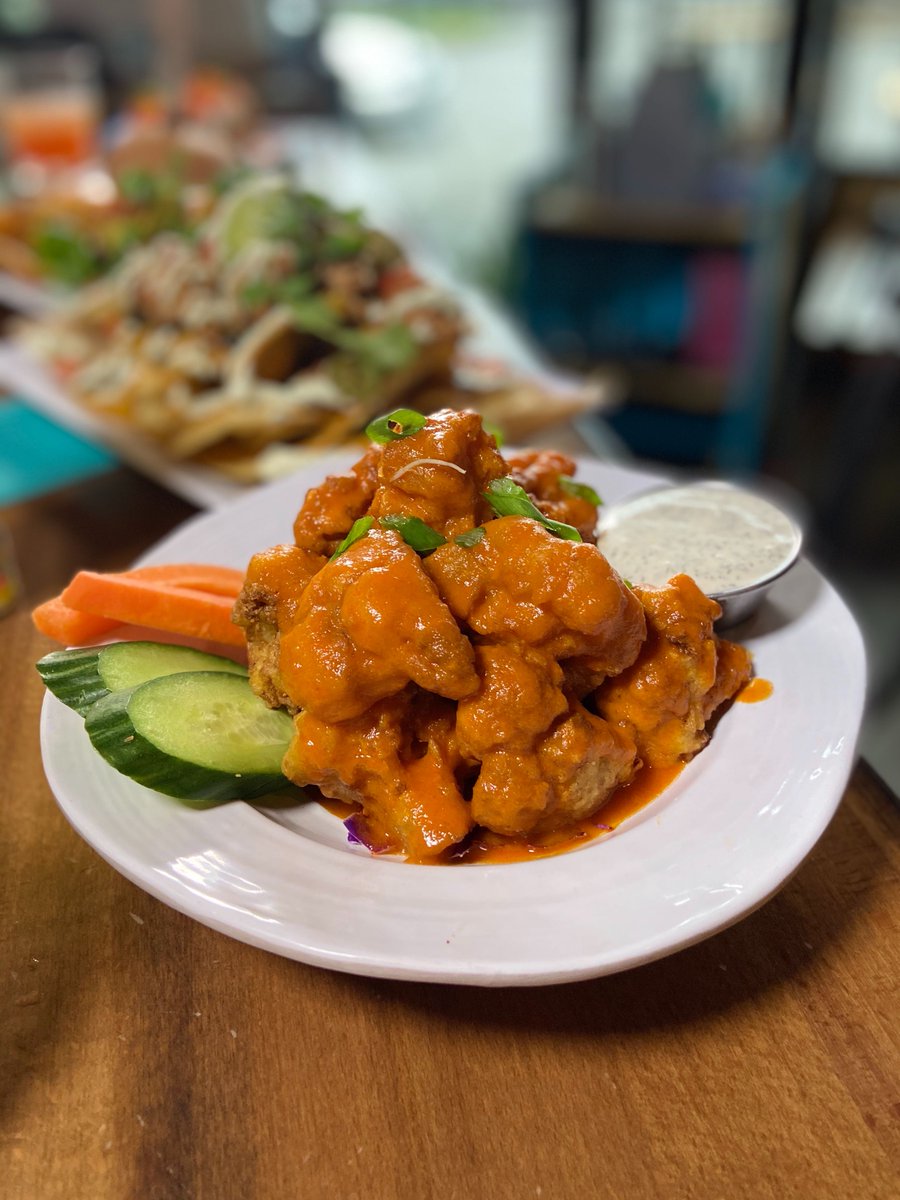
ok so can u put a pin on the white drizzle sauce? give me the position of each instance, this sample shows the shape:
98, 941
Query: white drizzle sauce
410, 300
434, 462
725, 538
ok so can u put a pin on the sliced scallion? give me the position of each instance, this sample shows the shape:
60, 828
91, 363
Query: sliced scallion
495, 431
507, 499
583, 491
358, 530
414, 532
395, 425
470, 537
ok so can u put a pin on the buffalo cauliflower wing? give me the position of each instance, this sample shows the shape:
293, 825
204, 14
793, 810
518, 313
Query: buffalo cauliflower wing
495, 676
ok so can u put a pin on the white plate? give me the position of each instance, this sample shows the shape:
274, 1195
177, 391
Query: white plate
719, 842
25, 297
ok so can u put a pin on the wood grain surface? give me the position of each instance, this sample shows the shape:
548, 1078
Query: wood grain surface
145, 1057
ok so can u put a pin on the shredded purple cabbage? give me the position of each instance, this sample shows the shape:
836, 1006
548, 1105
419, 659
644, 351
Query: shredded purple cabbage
352, 836
358, 834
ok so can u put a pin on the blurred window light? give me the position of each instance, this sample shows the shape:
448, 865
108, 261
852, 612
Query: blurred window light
859, 127
742, 45
386, 70
293, 18
477, 111
23, 16
726, 21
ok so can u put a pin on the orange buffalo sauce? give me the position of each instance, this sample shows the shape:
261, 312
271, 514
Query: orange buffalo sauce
338, 808
486, 847
754, 691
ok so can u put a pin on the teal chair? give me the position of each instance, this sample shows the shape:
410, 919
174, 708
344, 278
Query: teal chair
38, 456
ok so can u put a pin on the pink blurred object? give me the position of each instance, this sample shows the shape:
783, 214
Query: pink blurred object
717, 297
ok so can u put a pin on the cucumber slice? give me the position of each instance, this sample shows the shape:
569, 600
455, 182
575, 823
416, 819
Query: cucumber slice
81, 677
202, 736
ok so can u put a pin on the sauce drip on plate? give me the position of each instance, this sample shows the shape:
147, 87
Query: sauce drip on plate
754, 691
486, 847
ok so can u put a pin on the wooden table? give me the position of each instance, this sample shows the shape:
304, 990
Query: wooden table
145, 1057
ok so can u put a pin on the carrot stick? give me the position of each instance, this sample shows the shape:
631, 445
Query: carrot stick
204, 577
67, 625
128, 600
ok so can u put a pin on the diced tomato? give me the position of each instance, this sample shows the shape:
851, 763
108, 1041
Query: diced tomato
397, 279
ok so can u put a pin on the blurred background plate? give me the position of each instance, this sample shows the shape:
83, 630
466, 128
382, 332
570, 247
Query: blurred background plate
25, 297
21, 376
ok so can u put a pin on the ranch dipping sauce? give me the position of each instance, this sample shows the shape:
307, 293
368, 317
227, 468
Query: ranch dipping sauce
733, 543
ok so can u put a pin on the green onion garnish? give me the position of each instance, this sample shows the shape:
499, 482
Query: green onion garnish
296, 290
414, 532
358, 530
398, 424
583, 491
390, 348
66, 255
138, 186
315, 315
257, 292
471, 537
507, 499
495, 431
567, 532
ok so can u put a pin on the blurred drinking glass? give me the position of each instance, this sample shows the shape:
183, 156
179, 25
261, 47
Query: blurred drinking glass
49, 107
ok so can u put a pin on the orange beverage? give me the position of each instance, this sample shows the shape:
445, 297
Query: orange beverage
54, 126
49, 107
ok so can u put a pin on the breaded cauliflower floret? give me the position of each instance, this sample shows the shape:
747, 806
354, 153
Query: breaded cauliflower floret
519, 697
368, 624
682, 675
440, 473
331, 508
267, 607
522, 584
397, 762
567, 774
540, 473
446, 689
